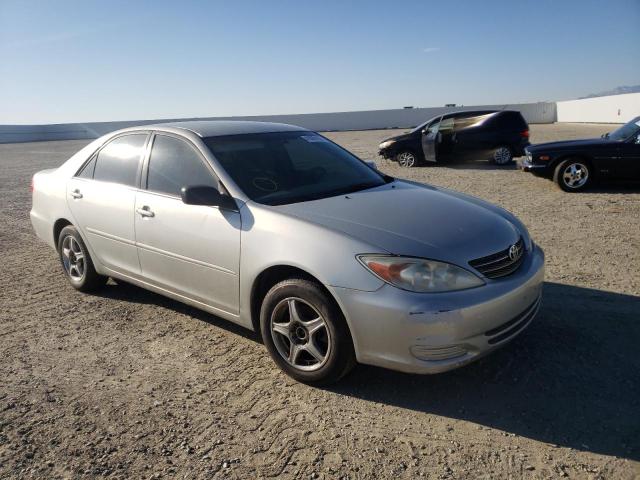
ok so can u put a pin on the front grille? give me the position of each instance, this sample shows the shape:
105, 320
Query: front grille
502, 263
513, 326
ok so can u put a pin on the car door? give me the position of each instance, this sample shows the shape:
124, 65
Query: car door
446, 141
430, 141
628, 161
472, 140
101, 198
191, 250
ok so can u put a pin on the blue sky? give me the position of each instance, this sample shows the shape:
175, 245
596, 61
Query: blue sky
66, 61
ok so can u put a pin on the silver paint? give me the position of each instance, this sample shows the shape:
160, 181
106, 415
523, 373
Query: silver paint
210, 258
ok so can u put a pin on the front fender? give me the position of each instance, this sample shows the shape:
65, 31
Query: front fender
270, 238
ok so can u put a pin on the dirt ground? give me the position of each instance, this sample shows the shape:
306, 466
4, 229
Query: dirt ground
128, 384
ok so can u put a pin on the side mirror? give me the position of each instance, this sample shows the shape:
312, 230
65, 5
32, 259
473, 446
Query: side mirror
208, 196
372, 164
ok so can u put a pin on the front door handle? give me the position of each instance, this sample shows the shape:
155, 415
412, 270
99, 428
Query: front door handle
145, 212
76, 194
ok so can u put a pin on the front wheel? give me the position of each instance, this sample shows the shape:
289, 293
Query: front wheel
306, 333
573, 175
407, 159
502, 156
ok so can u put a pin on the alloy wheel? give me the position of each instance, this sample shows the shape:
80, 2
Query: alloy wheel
406, 159
73, 258
502, 156
575, 175
300, 334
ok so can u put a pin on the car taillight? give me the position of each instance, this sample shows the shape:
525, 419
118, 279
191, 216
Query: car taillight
524, 134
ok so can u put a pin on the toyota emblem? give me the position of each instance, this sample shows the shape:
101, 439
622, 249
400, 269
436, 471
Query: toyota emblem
514, 252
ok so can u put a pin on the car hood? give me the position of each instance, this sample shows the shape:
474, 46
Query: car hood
403, 136
415, 220
568, 144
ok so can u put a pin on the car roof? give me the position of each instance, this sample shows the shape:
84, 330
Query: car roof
470, 113
216, 128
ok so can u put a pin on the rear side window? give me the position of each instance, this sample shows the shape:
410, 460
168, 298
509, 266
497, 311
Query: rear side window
118, 162
469, 122
87, 170
509, 121
175, 164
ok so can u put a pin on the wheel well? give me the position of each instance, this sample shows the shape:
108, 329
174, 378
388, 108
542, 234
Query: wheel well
267, 279
561, 159
57, 228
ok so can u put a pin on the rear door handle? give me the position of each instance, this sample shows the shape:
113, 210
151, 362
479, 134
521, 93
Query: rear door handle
145, 212
76, 194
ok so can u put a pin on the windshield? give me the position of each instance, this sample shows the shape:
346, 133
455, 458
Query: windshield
625, 131
289, 167
422, 125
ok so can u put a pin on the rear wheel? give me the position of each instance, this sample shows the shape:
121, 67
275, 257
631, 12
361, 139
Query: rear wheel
76, 261
502, 156
306, 333
407, 159
573, 175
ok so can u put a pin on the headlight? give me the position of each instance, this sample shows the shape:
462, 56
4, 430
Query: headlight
419, 275
386, 144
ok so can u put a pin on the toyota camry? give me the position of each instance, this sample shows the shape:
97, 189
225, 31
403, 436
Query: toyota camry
278, 229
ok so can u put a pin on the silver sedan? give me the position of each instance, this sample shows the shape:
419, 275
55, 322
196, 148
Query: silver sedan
278, 229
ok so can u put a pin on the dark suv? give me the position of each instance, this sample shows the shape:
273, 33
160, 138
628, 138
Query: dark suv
496, 135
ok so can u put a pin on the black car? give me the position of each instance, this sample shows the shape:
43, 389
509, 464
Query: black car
575, 164
497, 135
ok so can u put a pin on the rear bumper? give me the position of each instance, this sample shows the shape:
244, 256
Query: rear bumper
519, 151
432, 333
43, 229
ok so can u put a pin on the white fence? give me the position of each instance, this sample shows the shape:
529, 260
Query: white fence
609, 109
541, 112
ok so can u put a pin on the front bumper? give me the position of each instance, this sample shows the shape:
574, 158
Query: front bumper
432, 333
386, 153
527, 165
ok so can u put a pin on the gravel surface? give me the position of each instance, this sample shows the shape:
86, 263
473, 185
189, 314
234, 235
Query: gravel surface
128, 384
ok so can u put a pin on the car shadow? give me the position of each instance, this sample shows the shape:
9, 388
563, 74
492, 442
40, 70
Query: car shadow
120, 290
571, 379
477, 165
615, 187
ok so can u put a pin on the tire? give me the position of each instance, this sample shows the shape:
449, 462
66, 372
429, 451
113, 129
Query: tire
502, 155
311, 343
76, 261
407, 159
573, 175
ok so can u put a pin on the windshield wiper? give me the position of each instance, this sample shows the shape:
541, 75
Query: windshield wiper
330, 193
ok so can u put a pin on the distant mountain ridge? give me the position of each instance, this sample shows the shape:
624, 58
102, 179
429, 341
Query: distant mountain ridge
616, 91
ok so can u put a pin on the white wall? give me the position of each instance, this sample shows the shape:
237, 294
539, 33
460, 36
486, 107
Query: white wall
609, 109
541, 112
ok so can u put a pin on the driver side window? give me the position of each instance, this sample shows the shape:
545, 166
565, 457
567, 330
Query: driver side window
433, 128
446, 126
174, 164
